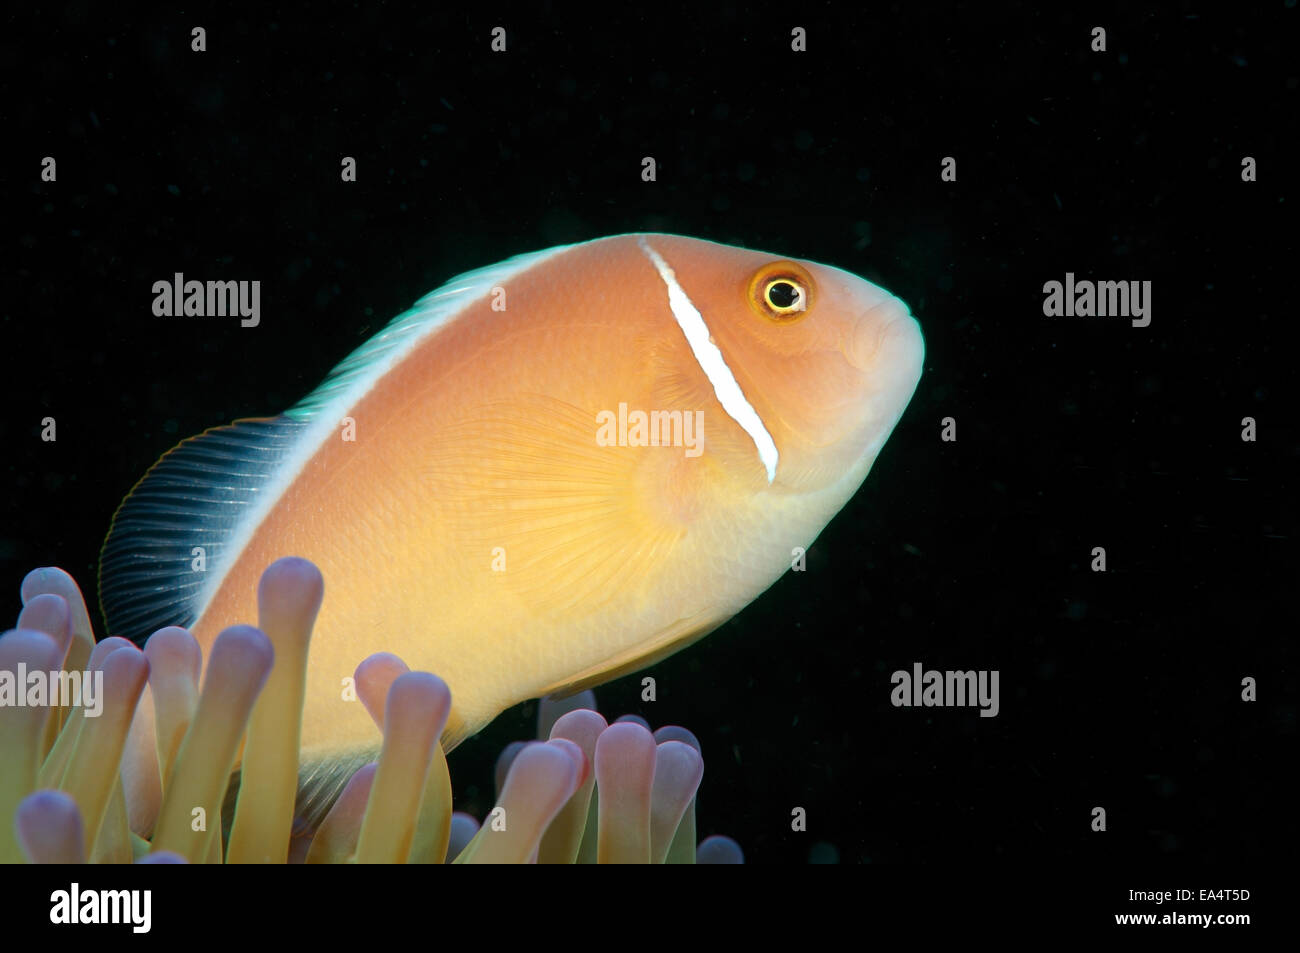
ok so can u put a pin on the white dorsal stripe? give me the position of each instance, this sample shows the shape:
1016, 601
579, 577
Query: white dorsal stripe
714, 365
355, 377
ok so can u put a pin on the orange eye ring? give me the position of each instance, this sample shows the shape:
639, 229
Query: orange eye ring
782, 292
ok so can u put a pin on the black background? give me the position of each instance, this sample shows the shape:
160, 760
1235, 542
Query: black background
1119, 690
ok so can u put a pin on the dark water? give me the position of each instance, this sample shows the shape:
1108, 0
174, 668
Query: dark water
1118, 689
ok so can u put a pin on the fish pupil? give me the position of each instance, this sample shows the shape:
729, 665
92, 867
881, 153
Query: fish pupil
782, 294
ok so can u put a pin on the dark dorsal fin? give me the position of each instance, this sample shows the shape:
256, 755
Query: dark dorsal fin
196, 495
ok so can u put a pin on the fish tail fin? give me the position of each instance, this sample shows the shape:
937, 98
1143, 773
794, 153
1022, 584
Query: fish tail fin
170, 537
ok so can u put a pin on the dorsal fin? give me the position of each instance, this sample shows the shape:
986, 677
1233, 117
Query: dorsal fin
194, 496
357, 372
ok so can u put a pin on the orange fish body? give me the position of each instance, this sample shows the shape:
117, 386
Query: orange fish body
480, 486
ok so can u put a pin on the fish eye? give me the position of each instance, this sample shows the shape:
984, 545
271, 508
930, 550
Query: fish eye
781, 292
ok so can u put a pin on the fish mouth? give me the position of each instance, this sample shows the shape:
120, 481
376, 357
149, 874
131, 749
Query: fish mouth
887, 346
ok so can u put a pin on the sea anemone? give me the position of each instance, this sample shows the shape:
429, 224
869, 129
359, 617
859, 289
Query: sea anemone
146, 776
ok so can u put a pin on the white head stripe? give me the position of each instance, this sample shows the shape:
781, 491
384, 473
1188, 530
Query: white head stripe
714, 364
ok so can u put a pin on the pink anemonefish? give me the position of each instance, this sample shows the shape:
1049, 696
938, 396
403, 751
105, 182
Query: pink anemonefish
549, 472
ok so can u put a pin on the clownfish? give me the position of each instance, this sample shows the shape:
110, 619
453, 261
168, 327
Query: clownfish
548, 473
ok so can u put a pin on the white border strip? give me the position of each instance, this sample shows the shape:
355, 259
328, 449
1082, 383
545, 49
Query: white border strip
714, 365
